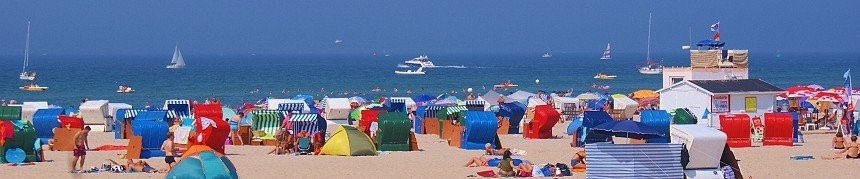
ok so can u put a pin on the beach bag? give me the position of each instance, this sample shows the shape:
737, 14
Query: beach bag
546, 170
564, 170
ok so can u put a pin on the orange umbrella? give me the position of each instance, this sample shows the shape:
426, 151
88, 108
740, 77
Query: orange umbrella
644, 93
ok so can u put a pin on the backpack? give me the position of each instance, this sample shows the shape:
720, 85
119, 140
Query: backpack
565, 171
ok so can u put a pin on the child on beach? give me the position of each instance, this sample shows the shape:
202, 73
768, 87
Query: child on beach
81, 147
852, 151
169, 149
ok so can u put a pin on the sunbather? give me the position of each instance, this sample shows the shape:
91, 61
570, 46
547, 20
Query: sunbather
578, 159
139, 166
285, 143
850, 152
479, 161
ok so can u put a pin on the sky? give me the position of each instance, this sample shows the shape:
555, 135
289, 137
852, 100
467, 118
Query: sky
92, 27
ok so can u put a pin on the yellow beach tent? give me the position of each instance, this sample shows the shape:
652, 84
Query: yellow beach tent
348, 141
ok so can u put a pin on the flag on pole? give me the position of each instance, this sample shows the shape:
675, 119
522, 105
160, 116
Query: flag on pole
848, 86
715, 27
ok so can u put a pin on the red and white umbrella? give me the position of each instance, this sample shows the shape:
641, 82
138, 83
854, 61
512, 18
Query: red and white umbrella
828, 96
841, 90
800, 91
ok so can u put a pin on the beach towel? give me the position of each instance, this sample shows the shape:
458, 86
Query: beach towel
180, 136
487, 173
110, 147
802, 157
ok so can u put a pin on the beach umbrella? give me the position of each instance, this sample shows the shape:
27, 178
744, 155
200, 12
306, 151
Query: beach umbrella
841, 90
827, 96
357, 99
800, 91
644, 93
588, 96
423, 98
627, 128
446, 102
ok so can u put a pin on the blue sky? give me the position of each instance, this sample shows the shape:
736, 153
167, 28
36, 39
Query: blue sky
410, 27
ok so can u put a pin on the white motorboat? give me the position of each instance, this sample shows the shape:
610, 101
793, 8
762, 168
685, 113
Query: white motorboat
177, 61
124, 89
420, 71
422, 61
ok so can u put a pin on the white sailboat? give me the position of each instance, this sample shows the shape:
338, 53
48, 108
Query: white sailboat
30, 76
607, 54
650, 68
546, 55
177, 61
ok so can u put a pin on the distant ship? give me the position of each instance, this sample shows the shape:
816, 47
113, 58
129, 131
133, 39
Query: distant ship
650, 67
546, 55
421, 60
177, 61
604, 76
606, 53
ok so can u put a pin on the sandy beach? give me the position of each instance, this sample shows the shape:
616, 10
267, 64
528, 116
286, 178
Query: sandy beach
436, 160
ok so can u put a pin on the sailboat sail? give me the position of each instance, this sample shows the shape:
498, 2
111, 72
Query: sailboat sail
177, 61
606, 53
24, 74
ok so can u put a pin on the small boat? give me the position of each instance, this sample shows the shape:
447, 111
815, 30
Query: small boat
600, 87
604, 76
607, 54
422, 61
546, 55
506, 85
124, 89
420, 71
338, 42
650, 68
30, 76
177, 61
33, 87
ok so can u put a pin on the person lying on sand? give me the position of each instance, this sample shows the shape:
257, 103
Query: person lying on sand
479, 161
578, 159
139, 166
852, 151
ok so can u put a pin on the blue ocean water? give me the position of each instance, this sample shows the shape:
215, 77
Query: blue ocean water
237, 78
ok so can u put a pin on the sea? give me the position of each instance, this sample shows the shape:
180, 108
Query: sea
234, 79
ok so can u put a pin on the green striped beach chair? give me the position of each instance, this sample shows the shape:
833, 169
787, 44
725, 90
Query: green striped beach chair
267, 121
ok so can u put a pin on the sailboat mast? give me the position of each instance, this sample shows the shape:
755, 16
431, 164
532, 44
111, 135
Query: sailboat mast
648, 58
26, 50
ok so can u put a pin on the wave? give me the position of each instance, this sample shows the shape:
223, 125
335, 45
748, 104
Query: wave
450, 66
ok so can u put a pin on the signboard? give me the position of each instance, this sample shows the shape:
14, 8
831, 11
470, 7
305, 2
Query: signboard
720, 103
750, 104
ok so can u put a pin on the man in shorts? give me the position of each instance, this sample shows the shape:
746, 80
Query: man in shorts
81, 147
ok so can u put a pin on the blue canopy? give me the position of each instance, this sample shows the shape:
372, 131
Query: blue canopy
423, 97
710, 43
627, 128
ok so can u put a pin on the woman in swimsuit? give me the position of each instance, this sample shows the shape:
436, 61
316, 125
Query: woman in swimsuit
838, 141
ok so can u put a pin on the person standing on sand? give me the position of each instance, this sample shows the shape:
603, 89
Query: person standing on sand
169, 149
81, 147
